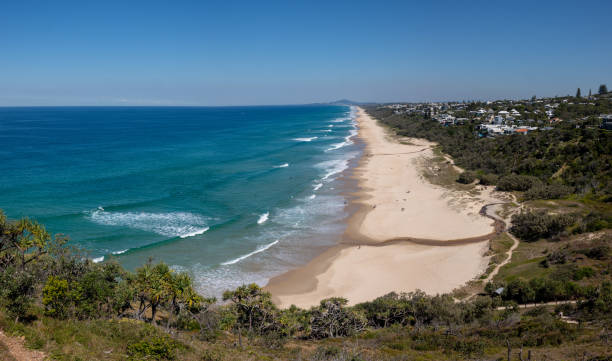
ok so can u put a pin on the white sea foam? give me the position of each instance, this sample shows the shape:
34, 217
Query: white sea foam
325, 130
312, 196
178, 224
120, 252
338, 146
194, 233
284, 165
333, 167
98, 259
258, 250
263, 218
317, 186
305, 139
331, 125
339, 120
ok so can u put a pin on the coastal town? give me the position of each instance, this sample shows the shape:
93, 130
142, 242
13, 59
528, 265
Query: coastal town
503, 117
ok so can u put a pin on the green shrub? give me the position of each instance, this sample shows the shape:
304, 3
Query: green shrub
333, 319
583, 272
553, 191
466, 177
533, 225
516, 182
153, 348
598, 252
487, 179
56, 297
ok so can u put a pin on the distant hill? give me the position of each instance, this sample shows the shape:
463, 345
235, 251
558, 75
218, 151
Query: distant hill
344, 102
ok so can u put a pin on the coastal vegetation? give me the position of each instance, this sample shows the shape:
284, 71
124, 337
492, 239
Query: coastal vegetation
74, 309
573, 156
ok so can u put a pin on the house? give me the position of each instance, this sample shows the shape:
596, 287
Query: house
503, 113
515, 113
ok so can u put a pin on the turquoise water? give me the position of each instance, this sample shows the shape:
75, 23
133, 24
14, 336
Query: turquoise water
230, 194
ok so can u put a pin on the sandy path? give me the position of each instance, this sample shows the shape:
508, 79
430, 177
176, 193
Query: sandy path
18, 351
396, 204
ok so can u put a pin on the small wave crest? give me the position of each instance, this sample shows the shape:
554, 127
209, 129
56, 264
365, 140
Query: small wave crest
98, 259
194, 233
258, 250
305, 139
177, 224
317, 186
284, 165
263, 218
333, 167
120, 252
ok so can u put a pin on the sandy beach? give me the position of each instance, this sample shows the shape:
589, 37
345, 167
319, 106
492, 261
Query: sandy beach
407, 233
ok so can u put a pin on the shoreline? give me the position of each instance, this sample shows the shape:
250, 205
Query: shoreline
394, 240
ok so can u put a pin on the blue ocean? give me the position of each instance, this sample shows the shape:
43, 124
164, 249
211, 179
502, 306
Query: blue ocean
229, 194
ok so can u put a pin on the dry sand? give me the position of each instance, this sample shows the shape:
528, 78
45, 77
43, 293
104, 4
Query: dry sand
397, 206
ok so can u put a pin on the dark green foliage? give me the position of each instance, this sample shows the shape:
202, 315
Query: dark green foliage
598, 252
598, 303
17, 291
593, 221
487, 179
603, 89
333, 319
156, 348
540, 290
557, 257
254, 310
578, 95
583, 272
515, 182
466, 177
534, 225
552, 191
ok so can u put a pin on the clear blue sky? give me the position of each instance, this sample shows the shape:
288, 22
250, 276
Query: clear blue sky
111, 52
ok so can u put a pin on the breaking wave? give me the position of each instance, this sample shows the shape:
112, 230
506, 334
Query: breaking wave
263, 218
258, 250
305, 139
178, 224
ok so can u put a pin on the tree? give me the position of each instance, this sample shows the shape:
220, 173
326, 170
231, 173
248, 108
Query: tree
153, 287
333, 319
603, 89
253, 308
589, 93
22, 242
578, 95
